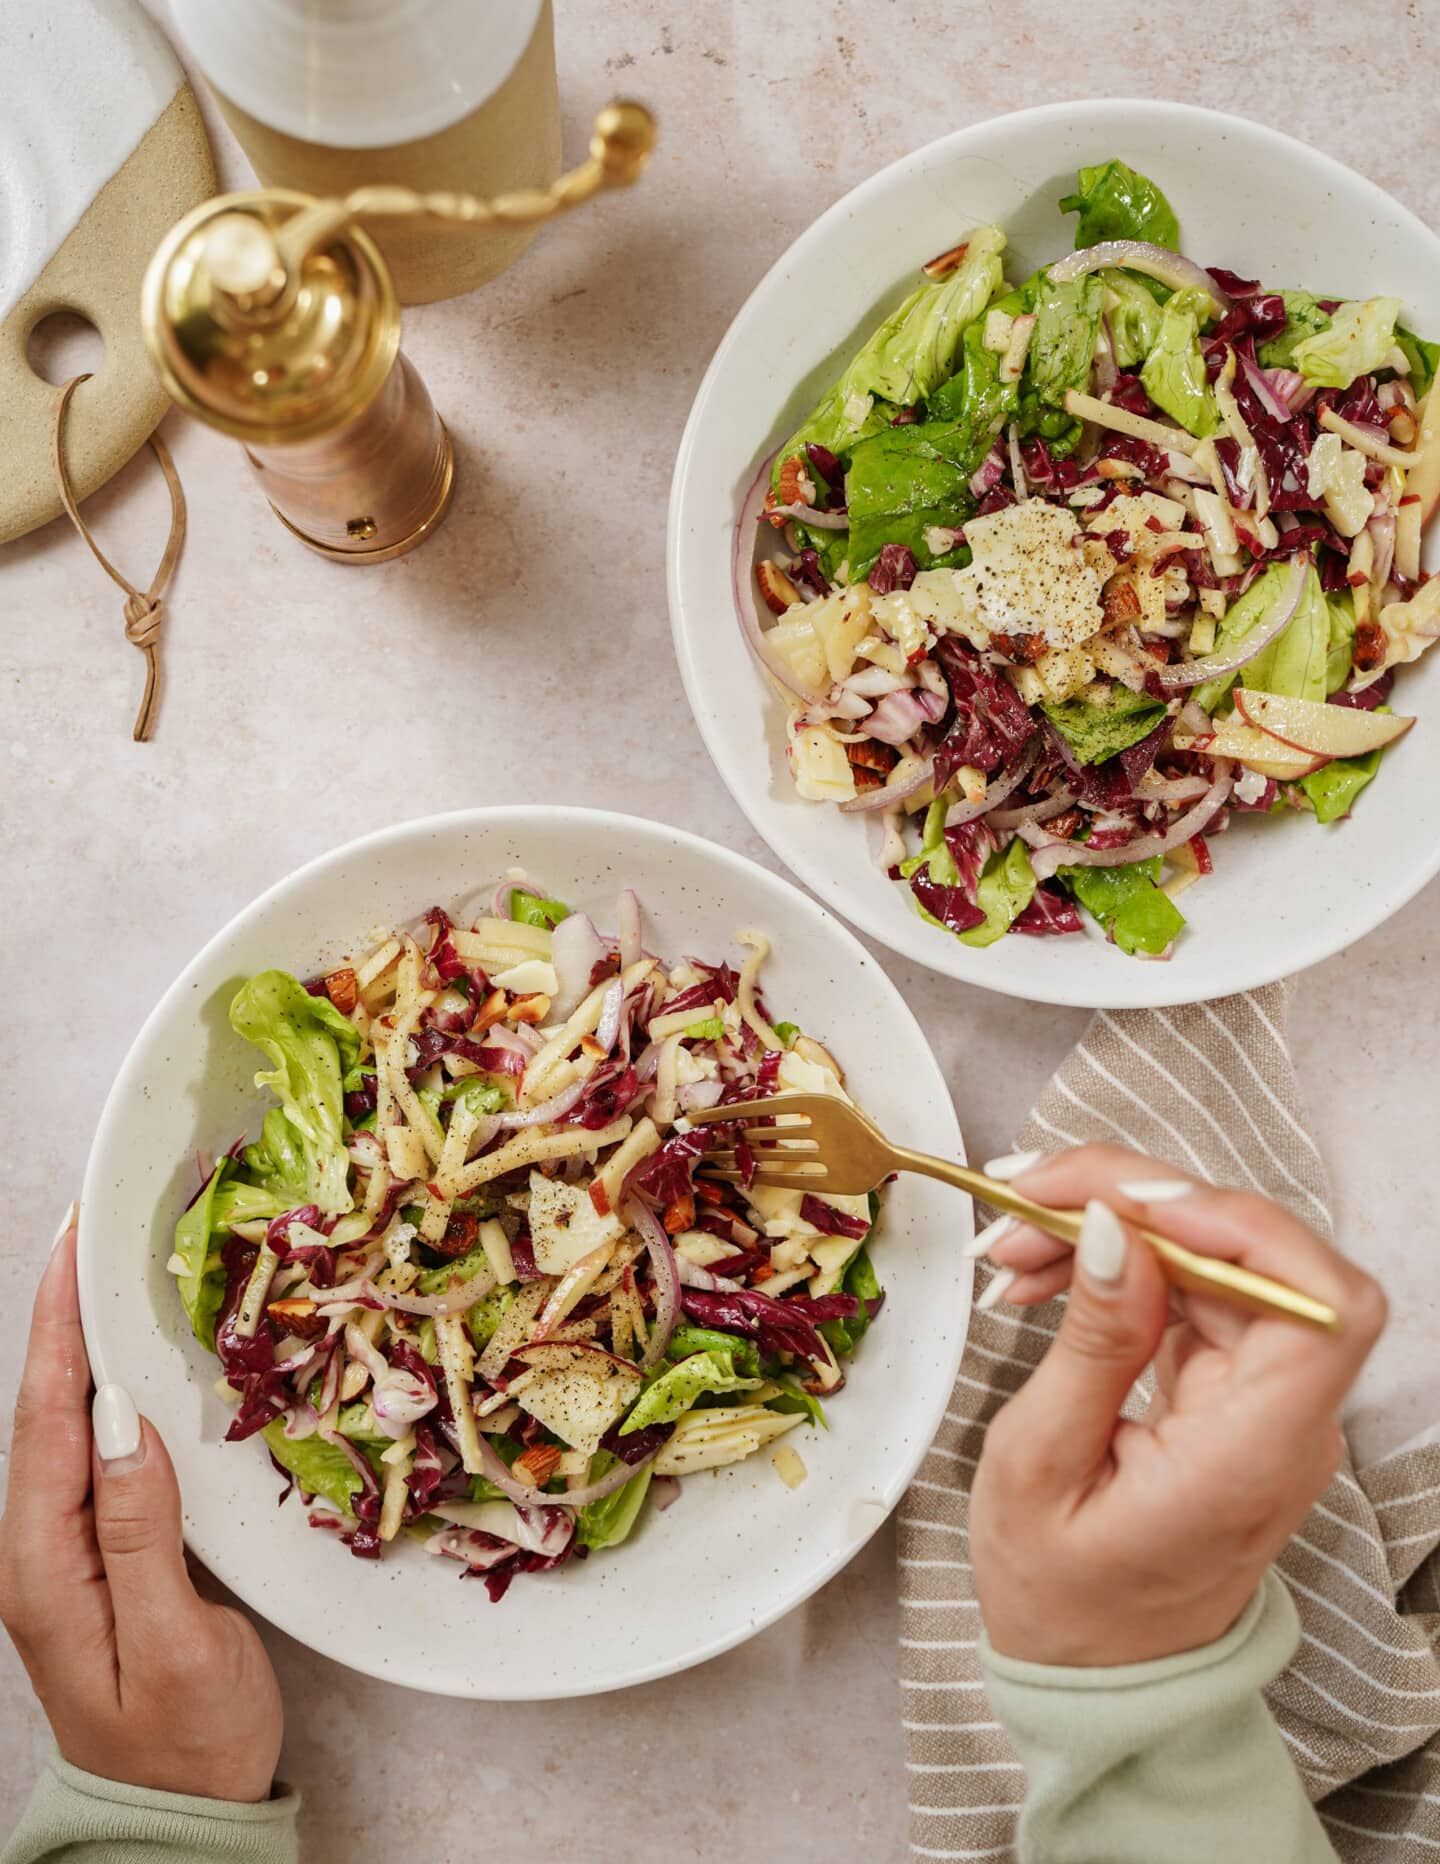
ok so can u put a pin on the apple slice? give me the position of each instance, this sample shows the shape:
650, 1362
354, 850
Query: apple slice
1257, 750
1423, 479
1323, 730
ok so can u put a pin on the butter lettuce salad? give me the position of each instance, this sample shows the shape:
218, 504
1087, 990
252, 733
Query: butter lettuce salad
470, 1284
1060, 576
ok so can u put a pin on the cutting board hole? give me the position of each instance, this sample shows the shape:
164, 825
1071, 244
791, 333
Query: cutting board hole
65, 344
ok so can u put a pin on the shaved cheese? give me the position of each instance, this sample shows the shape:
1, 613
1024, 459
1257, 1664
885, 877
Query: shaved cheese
529, 1148
701, 1248
1028, 574
565, 1225
819, 766
531, 976
725, 1434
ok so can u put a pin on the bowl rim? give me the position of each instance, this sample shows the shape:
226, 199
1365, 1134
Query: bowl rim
1136, 985
251, 1588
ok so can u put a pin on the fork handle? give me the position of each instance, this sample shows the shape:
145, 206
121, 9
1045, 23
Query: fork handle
1183, 1268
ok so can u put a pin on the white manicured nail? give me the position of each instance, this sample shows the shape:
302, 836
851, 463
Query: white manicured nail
984, 1242
1156, 1190
67, 1222
118, 1439
996, 1288
1011, 1165
1103, 1244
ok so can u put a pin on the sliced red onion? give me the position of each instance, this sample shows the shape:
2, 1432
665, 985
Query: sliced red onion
628, 920
693, 1276
1034, 812
1230, 659
742, 581
1195, 719
697, 1094
1274, 404
995, 793
495, 1471
1182, 466
554, 1109
366, 1294
1171, 789
843, 703
1292, 389
518, 881
818, 520
1138, 255
1049, 855
909, 775
668, 1273
365, 1149
989, 473
301, 1421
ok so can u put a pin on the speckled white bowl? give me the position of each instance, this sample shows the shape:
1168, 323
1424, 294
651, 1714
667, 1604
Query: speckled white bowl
738, 1548
1284, 894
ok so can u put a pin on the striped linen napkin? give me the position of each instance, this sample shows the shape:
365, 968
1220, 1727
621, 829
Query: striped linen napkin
1212, 1087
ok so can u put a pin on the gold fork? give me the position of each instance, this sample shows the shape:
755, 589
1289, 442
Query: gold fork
828, 1145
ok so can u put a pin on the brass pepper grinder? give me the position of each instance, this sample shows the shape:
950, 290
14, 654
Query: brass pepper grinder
272, 316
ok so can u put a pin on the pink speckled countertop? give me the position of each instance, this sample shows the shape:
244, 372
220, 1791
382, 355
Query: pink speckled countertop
566, 385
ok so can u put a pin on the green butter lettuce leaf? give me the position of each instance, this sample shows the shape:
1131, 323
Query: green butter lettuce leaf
607, 1522
1174, 371
1135, 316
200, 1233
907, 358
462, 1268
677, 1388
795, 1398
907, 480
202, 1282
486, 1315
1005, 888
687, 1340
1296, 664
1423, 358
1332, 788
1095, 732
357, 1422
311, 1046
1113, 202
1062, 343
530, 910
319, 1468
843, 1336
1340, 653
1128, 904
479, 1097
1303, 318
1359, 338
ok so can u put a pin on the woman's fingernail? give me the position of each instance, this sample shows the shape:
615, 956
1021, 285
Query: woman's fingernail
984, 1242
1011, 1164
1103, 1244
67, 1222
1156, 1190
995, 1289
119, 1441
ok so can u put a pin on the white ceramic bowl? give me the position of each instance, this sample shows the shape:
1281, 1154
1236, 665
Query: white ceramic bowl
1284, 894
738, 1548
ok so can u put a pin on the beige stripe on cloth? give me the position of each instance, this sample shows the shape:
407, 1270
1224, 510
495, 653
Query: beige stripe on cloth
1210, 1087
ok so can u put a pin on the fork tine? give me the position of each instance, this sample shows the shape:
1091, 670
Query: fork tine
750, 1109
803, 1180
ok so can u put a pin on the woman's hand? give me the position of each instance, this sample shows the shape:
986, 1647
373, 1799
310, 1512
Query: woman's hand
142, 1680
1097, 1541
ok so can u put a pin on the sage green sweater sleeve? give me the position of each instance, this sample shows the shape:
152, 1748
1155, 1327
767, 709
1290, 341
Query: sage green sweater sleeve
1177, 1759
76, 1817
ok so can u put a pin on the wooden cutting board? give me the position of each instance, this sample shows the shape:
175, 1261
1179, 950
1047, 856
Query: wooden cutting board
101, 150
